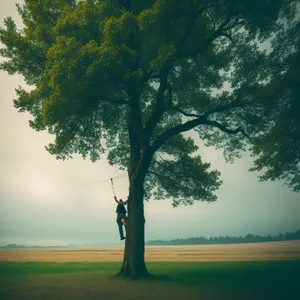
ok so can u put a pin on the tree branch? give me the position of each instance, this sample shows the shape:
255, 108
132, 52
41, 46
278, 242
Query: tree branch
159, 106
201, 120
175, 130
212, 20
222, 108
168, 163
163, 75
235, 23
165, 161
160, 109
221, 31
155, 174
225, 129
159, 177
184, 113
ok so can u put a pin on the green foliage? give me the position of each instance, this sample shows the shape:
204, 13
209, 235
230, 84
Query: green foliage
129, 77
178, 173
277, 149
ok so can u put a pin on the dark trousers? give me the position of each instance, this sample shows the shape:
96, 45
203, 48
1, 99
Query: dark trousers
120, 225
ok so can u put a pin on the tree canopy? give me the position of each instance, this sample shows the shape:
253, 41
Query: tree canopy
277, 149
91, 62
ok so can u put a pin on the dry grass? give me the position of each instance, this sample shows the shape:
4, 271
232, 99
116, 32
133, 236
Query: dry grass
201, 253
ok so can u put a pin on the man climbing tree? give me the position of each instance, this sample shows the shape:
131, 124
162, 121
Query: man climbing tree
132, 77
121, 216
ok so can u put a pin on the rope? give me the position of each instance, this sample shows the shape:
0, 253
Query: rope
117, 177
112, 186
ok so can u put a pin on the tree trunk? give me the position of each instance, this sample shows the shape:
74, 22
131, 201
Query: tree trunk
134, 262
140, 158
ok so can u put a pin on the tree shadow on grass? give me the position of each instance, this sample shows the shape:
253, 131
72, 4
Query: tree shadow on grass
235, 272
272, 280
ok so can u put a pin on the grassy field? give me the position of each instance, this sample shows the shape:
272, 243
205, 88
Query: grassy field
176, 281
207, 279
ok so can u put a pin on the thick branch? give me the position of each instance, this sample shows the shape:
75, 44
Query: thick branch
159, 106
225, 107
222, 108
185, 113
175, 130
189, 125
225, 129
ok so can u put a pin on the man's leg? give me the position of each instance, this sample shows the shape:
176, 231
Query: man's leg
120, 225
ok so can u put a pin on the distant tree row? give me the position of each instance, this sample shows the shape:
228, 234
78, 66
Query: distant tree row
249, 238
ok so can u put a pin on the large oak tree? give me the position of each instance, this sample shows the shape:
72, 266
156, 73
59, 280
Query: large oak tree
131, 77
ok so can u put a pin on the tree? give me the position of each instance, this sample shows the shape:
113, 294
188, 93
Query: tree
131, 77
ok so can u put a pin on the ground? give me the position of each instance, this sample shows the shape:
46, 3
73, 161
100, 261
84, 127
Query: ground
201, 253
245, 271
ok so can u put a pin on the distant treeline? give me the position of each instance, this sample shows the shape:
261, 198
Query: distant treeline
249, 238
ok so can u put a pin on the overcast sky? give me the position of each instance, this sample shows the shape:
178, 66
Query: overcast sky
44, 201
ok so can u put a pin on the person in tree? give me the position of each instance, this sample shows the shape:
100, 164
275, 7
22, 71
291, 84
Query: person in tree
121, 216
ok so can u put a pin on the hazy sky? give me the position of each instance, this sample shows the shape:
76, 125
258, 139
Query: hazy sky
43, 201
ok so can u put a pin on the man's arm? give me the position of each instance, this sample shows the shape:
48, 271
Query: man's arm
117, 200
125, 202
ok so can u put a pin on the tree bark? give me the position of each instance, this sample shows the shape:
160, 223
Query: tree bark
140, 157
134, 260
